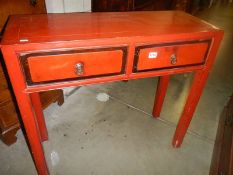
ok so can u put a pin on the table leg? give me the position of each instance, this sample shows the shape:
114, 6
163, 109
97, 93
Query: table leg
32, 131
160, 95
26, 110
195, 92
35, 97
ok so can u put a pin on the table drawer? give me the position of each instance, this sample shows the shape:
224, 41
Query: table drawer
58, 66
152, 57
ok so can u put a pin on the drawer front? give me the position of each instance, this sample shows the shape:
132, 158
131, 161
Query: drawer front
168, 55
58, 66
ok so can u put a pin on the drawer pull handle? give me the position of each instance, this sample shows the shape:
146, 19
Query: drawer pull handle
173, 59
79, 69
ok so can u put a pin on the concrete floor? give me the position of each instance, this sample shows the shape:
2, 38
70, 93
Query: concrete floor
118, 136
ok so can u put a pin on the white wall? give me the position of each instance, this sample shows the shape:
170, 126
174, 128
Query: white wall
66, 6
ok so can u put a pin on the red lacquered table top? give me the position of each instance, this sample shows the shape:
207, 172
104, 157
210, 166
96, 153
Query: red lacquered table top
83, 26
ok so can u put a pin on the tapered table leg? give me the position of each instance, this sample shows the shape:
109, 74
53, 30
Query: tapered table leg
160, 94
195, 92
35, 97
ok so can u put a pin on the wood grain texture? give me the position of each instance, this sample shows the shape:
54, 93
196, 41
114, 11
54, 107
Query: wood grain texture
54, 96
112, 5
222, 159
9, 123
140, 5
12, 7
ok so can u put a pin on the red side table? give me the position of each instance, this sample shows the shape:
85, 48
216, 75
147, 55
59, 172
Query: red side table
44, 52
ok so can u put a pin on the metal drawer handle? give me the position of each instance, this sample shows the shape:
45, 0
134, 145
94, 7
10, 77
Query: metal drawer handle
173, 59
79, 68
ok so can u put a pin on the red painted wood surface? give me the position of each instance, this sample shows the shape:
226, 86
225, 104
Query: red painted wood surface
42, 33
160, 95
185, 54
85, 26
196, 89
26, 110
35, 97
55, 67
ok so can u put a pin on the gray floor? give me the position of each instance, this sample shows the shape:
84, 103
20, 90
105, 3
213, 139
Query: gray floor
118, 136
